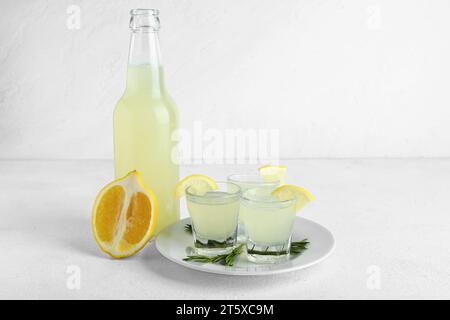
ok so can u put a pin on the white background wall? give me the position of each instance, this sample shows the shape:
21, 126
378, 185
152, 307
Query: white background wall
352, 78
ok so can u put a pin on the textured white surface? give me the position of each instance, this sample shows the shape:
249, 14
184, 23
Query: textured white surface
391, 216
345, 78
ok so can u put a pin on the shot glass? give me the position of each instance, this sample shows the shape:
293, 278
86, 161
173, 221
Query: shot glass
245, 182
214, 218
268, 224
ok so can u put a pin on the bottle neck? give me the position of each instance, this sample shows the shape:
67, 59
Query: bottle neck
145, 74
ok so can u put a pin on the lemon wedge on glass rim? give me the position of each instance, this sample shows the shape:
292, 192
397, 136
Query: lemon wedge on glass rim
288, 191
199, 184
124, 216
271, 173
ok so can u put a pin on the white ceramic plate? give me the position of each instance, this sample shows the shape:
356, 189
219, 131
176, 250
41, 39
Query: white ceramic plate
175, 243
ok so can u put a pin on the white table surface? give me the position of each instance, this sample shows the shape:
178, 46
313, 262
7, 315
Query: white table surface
390, 218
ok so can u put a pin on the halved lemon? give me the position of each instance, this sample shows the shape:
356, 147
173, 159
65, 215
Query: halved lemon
199, 184
124, 216
289, 191
271, 173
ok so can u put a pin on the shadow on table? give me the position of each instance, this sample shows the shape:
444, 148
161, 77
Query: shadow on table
68, 229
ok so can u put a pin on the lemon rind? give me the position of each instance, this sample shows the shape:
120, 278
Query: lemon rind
182, 183
298, 189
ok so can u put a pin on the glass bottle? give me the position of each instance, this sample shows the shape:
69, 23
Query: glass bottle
146, 117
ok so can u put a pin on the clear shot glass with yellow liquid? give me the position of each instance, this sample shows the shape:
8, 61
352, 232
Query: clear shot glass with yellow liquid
214, 217
268, 225
246, 182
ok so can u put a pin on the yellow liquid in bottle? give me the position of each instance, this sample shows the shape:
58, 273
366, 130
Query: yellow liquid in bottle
144, 120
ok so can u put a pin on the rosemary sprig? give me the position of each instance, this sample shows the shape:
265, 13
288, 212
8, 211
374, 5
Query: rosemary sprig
298, 247
188, 228
212, 244
226, 259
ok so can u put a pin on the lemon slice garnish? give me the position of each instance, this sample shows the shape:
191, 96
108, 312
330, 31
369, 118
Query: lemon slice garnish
288, 191
271, 173
199, 184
